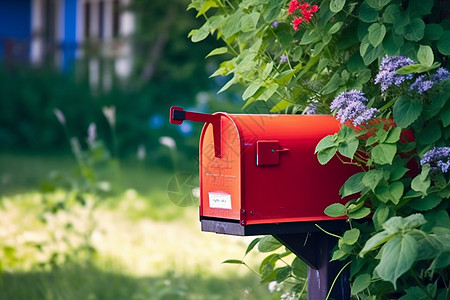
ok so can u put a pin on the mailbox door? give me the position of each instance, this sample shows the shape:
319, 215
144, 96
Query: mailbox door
220, 177
282, 179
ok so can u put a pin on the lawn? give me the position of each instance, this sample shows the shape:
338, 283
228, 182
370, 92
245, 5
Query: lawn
146, 247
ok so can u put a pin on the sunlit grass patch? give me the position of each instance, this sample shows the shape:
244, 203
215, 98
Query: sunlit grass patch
146, 247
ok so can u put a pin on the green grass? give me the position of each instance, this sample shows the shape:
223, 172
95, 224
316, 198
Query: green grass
21, 172
147, 247
92, 283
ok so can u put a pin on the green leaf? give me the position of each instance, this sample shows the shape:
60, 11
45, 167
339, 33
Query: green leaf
268, 92
280, 106
383, 194
397, 224
415, 293
267, 69
430, 134
268, 244
367, 14
317, 49
335, 210
380, 216
233, 24
338, 254
233, 261
376, 35
326, 155
441, 261
249, 22
353, 185
251, 90
333, 84
272, 11
218, 51
415, 30
335, 28
337, 5
252, 245
360, 283
378, 4
426, 203
391, 13
299, 268
267, 265
348, 149
425, 55
396, 189
326, 142
227, 85
310, 36
200, 34
443, 43
393, 135
368, 52
206, 6
283, 274
384, 153
285, 77
372, 178
437, 103
414, 68
375, 241
398, 172
398, 256
406, 111
350, 237
422, 182
445, 115
392, 43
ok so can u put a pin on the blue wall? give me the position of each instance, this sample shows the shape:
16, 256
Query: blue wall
70, 31
15, 20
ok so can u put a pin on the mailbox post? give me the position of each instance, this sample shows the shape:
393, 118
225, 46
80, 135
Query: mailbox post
259, 176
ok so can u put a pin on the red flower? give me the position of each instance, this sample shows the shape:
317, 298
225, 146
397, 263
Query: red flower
305, 13
293, 5
314, 8
303, 6
297, 21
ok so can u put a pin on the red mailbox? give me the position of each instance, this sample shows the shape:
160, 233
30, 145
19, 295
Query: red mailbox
259, 173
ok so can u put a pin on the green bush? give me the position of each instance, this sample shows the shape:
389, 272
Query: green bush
380, 67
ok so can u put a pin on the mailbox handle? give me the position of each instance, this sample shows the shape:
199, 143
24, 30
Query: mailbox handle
178, 115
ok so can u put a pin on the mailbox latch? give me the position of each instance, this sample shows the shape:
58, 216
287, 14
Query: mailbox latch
268, 152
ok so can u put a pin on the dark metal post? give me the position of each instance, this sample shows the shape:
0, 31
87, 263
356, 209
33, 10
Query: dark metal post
316, 249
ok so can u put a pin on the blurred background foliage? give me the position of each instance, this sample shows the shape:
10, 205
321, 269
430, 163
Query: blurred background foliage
84, 210
168, 70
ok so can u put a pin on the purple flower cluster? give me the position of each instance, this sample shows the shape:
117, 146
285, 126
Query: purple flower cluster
441, 74
421, 85
438, 158
387, 76
283, 58
311, 109
350, 106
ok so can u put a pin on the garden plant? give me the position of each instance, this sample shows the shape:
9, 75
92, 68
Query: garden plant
381, 67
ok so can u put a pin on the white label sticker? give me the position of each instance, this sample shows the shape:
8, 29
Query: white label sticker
219, 200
